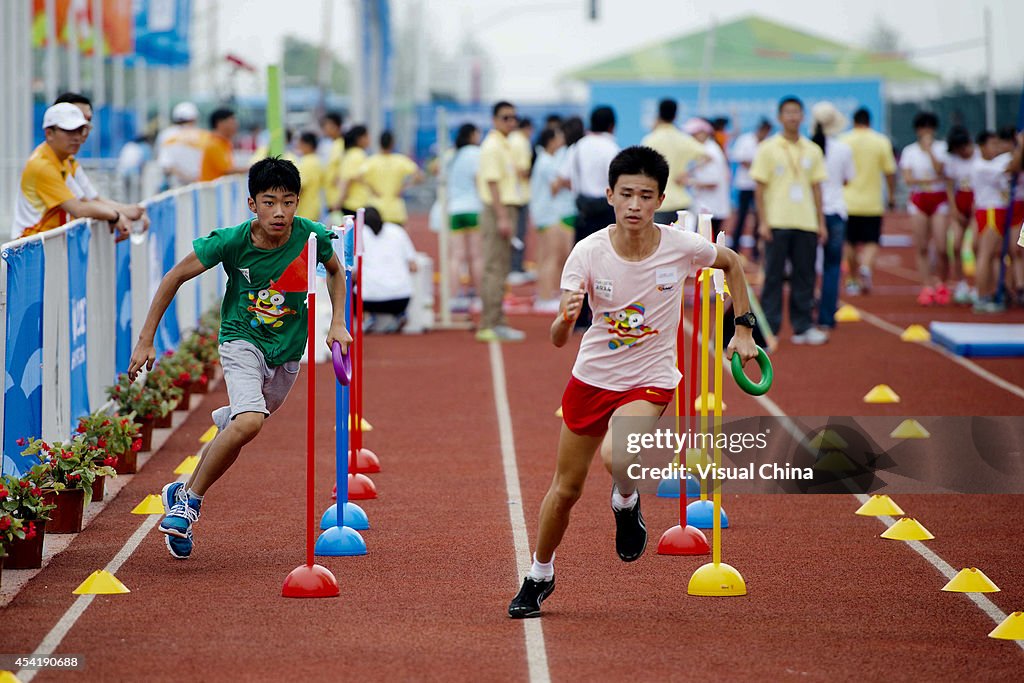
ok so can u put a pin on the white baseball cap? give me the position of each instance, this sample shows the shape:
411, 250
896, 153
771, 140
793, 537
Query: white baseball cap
65, 116
184, 111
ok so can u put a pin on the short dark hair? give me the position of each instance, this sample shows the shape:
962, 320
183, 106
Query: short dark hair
525, 122
353, 134
719, 123
546, 136
387, 139
309, 138
273, 173
1007, 133
73, 98
667, 110
573, 129
862, 117
334, 117
764, 123
639, 160
790, 99
219, 115
465, 135
373, 220
499, 105
925, 119
602, 119
983, 137
957, 138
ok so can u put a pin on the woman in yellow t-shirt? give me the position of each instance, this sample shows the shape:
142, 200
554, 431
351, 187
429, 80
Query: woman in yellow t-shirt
354, 192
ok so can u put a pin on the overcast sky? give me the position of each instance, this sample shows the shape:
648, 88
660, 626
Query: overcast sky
532, 41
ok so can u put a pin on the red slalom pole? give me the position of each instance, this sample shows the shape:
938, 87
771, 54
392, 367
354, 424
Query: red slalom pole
361, 487
693, 382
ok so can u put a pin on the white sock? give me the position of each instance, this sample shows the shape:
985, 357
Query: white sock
542, 571
193, 495
620, 502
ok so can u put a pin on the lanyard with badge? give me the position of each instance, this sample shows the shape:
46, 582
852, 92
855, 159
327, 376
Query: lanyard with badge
796, 189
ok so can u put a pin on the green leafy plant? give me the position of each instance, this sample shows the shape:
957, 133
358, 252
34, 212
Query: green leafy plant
154, 398
71, 464
182, 367
202, 346
111, 435
22, 497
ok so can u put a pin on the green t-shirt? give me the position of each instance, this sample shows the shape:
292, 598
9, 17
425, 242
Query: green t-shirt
265, 301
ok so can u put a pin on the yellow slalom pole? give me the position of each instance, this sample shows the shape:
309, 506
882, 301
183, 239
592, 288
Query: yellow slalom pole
705, 338
717, 496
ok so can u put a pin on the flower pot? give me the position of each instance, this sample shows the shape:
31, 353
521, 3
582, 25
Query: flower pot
99, 487
210, 369
128, 463
66, 518
185, 398
27, 553
146, 435
200, 386
1, 571
164, 421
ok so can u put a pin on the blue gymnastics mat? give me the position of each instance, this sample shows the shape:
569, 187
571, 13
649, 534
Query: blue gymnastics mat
980, 340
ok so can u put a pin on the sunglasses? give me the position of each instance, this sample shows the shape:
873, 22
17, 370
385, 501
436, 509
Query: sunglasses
507, 117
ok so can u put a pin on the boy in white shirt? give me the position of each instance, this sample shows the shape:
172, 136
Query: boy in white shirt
633, 272
961, 155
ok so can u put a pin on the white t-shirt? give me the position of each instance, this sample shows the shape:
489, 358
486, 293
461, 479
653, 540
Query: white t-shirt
586, 164
546, 208
716, 200
958, 169
743, 150
991, 182
386, 260
632, 341
462, 194
841, 170
81, 186
915, 160
180, 149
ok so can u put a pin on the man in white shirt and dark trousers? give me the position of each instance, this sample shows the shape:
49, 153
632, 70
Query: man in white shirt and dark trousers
586, 172
743, 151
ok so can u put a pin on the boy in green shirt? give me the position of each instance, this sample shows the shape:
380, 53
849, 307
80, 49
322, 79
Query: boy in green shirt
262, 330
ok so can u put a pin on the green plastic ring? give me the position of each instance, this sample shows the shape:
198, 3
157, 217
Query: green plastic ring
744, 382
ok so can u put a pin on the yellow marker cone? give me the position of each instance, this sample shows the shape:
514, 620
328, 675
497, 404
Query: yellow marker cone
916, 333
558, 413
101, 582
364, 425
828, 439
971, 580
1012, 628
880, 505
695, 456
8, 677
847, 314
910, 429
882, 393
715, 580
188, 465
698, 403
208, 434
907, 529
150, 505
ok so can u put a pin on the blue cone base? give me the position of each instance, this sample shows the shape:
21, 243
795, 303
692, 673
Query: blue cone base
339, 541
669, 488
701, 514
354, 517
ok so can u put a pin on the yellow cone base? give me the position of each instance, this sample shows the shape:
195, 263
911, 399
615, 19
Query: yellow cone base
8, 677
695, 456
150, 505
907, 529
834, 461
716, 580
971, 580
880, 505
828, 439
882, 393
188, 465
916, 333
101, 582
698, 403
363, 424
847, 314
1012, 628
208, 434
910, 429
558, 413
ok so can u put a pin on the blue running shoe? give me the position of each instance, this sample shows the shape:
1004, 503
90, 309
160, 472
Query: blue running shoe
180, 548
180, 514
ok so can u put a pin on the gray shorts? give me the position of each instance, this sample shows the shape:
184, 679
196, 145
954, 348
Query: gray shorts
253, 386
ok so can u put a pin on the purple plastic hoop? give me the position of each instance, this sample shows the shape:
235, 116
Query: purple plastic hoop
342, 364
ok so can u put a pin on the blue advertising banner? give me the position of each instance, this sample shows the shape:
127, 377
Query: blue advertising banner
162, 31
162, 228
78, 266
23, 381
123, 303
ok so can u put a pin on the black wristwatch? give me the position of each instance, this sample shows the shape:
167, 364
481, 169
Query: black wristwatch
747, 320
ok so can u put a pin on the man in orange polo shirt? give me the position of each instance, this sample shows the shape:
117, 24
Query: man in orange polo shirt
218, 151
46, 201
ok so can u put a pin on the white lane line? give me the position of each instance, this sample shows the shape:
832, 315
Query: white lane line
940, 565
968, 365
48, 646
536, 651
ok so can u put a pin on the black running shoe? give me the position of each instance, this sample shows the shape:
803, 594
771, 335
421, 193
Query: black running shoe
527, 601
630, 532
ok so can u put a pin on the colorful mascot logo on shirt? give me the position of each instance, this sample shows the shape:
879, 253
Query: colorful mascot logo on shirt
268, 308
628, 326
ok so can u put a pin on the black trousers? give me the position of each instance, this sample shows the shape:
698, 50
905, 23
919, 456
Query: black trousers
594, 214
745, 206
799, 248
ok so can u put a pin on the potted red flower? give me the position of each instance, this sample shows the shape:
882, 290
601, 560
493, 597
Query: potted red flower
146, 402
110, 439
203, 346
68, 477
23, 499
184, 371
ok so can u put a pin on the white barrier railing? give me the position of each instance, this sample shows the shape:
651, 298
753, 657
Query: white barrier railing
57, 330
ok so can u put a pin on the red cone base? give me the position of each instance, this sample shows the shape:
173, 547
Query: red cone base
680, 540
366, 462
334, 492
360, 487
307, 581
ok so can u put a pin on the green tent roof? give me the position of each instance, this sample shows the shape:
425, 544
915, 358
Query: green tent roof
752, 49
